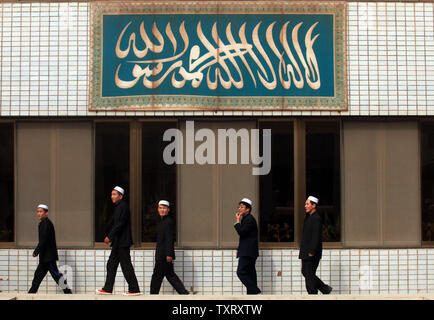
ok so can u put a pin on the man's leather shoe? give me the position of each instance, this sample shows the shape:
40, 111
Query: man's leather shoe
327, 290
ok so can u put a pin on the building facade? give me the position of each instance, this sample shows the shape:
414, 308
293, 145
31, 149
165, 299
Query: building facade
365, 148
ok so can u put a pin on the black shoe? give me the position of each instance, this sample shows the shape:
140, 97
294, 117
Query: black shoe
327, 290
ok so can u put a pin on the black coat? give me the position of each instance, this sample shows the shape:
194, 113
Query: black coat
165, 239
311, 239
248, 232
46, 248
120, 234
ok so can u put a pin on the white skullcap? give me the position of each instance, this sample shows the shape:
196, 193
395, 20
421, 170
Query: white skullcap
119, 189
164, 202
313, 199
248, 201
43, 206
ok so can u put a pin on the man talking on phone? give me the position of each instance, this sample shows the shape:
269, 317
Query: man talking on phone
248, 250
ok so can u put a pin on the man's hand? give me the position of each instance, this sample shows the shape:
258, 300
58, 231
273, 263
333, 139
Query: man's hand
238, 217
107, 240
169, 259
33, 255
310, 254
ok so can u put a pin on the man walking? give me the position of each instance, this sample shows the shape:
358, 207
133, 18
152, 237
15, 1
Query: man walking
47, 251
311, 248
248, 250
120, 239
165, 252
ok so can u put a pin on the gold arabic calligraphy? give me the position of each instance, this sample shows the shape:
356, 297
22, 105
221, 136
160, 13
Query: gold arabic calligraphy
221, 56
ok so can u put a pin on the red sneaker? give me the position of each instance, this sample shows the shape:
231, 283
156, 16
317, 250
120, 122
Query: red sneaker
101, 291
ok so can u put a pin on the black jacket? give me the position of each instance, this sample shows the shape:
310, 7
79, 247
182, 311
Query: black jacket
165, 239
248, 232
46, 248
311, 240
120, 234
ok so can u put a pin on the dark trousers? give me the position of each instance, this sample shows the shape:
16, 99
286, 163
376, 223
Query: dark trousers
246, 272
308, 269
41, 272
165, 269
120, 255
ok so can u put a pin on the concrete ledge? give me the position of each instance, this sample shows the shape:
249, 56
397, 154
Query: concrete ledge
25, 296
8, 296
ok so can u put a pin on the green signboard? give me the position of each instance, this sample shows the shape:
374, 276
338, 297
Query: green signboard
211, 56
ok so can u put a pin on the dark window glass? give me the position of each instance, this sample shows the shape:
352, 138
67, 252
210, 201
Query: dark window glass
276, 190
427, 165
112, 168
7, 182
158, 178
323, 174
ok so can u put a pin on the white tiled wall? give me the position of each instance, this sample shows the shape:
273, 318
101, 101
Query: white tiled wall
348, 271
44, 53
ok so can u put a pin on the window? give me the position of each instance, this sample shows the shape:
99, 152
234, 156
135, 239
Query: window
427, 169
323, 174
209, 193
54, 165
7, 182
276, 190
112, 168
381, 178
158, 178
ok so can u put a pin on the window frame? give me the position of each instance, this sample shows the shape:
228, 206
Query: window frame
334, 244
296, 138
97, 244
384, 120
12, 244
140, 122
299, 135
299, 144
422, 122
